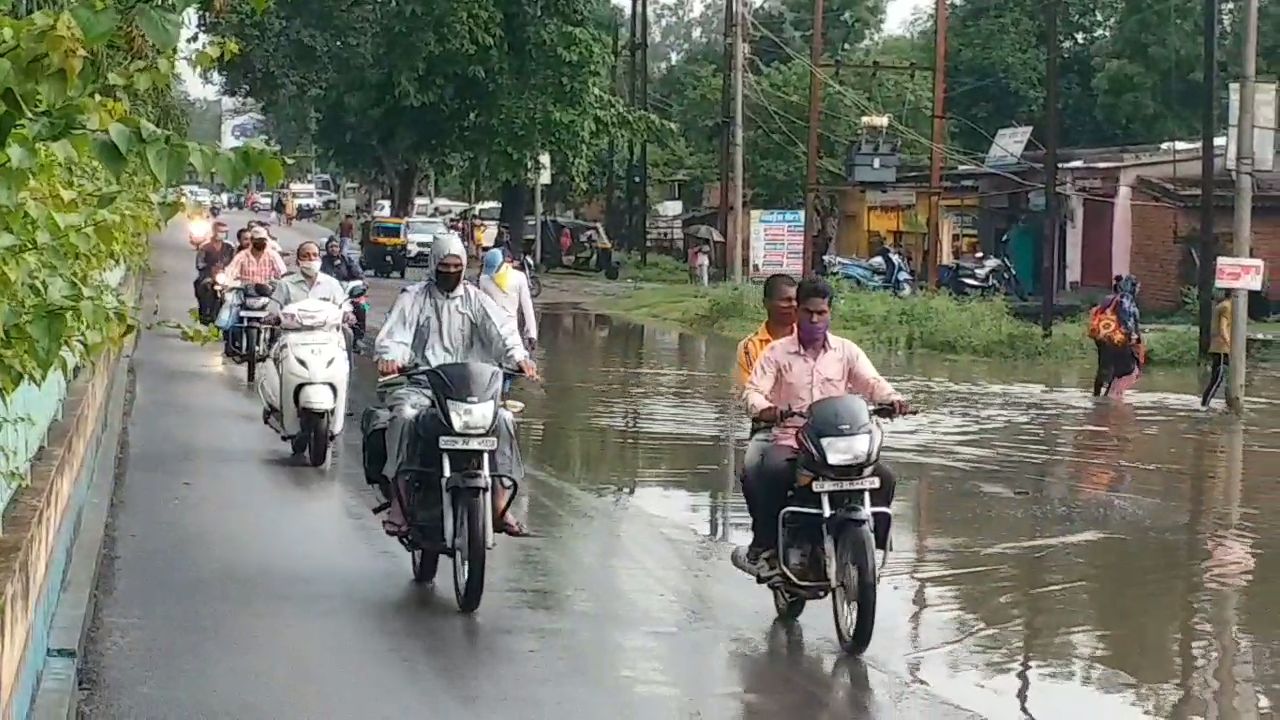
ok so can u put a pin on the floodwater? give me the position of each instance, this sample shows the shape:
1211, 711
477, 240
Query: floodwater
1056, 555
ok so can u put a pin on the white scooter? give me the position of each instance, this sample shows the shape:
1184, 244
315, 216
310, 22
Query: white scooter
304, 386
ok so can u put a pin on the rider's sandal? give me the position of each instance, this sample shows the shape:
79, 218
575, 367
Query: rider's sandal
512, 527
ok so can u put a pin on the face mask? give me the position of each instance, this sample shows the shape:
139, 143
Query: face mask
309, 268
448, 281
259, 244
811, 333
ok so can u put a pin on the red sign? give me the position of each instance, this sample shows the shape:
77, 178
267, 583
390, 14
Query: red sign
1234, 273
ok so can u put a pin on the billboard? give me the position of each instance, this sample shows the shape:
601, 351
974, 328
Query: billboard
241, 123
777, 242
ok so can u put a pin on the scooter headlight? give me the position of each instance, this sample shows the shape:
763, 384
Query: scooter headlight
471, 418
847, 449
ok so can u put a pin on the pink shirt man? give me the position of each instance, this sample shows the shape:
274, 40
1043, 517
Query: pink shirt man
788, 377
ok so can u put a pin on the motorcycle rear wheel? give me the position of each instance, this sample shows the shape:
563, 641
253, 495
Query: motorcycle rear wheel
468, 549
853, 602
535, 286
424, 566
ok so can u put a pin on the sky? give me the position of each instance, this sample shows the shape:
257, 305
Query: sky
899, 12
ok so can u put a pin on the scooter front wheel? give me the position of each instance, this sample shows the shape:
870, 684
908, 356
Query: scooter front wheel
853, 600
315, 426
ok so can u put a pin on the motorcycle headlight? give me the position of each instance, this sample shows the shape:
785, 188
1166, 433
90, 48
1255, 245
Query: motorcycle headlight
471, 418
201, 228
847, 449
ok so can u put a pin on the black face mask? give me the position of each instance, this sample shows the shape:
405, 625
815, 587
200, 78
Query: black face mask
259, 244
448, 281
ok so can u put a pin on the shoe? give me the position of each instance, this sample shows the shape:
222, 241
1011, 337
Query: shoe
759, 564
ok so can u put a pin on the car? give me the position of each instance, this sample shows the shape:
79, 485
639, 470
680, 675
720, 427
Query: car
262, 202
203, 197
328, 200
305, 199
421, 232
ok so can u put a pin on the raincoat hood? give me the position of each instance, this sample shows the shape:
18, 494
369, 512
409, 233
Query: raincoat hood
445, 245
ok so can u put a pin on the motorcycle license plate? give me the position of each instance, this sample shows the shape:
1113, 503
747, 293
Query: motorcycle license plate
453, 442
253, 313
826, 486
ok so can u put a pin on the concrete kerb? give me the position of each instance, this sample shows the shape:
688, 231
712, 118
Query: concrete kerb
57, 694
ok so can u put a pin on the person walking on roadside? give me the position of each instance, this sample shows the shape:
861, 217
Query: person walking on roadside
290, 208
277, 208
1219, 347
1114, 328
702, 265
509, 288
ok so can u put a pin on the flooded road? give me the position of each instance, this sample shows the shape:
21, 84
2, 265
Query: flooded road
1052, 551
1055, 557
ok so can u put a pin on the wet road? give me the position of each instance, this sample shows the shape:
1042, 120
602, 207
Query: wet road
1056, 557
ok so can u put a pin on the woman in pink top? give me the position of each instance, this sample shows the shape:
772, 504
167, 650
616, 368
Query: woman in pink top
793, 373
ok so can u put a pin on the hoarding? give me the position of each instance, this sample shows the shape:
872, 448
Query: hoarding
1233, 273
777, 242
241, 123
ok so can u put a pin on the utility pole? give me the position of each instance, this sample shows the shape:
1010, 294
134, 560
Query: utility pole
811, 223
1242, 225
632, 170
1049, 271
933, 248
611, 176
644, 144
537, 211
726, 123
735, 141
1209, 98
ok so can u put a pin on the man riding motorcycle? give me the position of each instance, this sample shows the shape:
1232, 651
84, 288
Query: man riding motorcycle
345, 269
211, 258
439, 321
793, 373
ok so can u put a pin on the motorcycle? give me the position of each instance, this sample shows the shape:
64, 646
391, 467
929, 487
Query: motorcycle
304, 386
448, 487
531, 272
983, 275
199, 231
251, 337
826, 532
874, 273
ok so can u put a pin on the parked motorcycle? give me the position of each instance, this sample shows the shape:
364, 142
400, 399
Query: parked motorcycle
983, 274
304, 385
826, 533
891, 273
251, 338
531, 272
448, 491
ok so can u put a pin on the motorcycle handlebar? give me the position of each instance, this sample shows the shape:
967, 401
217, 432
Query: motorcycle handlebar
884, 411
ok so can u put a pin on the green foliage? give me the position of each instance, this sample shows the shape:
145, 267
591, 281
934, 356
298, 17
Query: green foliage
658, 269
928, 322
79, 179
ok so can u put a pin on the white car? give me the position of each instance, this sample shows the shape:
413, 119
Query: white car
421, 233
305, 199
262, 202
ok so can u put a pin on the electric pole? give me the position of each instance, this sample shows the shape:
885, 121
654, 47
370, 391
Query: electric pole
726, 123
1208, 249
1049, 271
611, 181
815, 120
1242, 225
632, 45
933, 248
644, 143
735, 141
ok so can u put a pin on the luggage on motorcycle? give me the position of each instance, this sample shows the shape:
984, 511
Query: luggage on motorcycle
1104, 325
227, 315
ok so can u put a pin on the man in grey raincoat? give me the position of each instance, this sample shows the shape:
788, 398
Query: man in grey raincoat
444, 320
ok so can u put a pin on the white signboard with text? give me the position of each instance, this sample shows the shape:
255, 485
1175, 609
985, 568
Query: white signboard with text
1233, 273
777, 242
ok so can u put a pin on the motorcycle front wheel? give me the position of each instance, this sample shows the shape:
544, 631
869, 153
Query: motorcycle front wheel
315, 427
468, 548
853, 601
251, 351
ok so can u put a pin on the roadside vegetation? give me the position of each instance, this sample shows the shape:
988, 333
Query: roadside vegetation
929, 322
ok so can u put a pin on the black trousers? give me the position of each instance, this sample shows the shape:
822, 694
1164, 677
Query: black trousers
1113, 361
207, 300
766, 485
1221, 361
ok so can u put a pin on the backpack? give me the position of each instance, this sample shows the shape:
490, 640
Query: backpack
1104, 325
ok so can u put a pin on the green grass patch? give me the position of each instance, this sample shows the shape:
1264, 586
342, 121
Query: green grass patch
928, 322
660, 268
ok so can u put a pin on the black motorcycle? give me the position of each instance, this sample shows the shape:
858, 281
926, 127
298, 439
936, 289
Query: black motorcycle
445, 490
531, 272
826, 542
251, 338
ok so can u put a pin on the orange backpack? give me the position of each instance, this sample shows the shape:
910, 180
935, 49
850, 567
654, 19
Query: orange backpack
1104, 325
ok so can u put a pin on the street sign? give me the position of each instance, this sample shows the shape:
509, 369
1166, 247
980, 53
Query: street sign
1233, 273
1007, 146
544, 168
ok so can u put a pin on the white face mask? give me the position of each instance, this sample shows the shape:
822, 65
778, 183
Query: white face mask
309, 268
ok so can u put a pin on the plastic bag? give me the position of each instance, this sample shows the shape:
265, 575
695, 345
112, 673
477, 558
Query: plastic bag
228, 314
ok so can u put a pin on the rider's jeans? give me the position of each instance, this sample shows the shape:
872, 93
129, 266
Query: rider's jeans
765, 485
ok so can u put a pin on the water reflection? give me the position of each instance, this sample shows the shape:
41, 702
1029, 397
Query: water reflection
1056, 555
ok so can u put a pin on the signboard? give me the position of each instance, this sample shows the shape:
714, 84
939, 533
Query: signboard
891, 198
1233, 273
777, 242
1264, 126
241, 123
1007, 146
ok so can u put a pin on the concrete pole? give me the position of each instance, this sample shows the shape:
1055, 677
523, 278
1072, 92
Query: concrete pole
537, 213
811, 223
933, 247
1242, 225
735, 142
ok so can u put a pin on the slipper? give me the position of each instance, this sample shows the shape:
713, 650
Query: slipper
514, 528
393, 529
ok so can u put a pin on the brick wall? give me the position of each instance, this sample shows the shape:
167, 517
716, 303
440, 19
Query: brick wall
1160, 259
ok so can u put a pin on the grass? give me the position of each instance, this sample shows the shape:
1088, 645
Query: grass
928, 322
661, 268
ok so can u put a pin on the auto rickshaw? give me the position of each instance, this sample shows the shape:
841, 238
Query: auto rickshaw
384, 247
